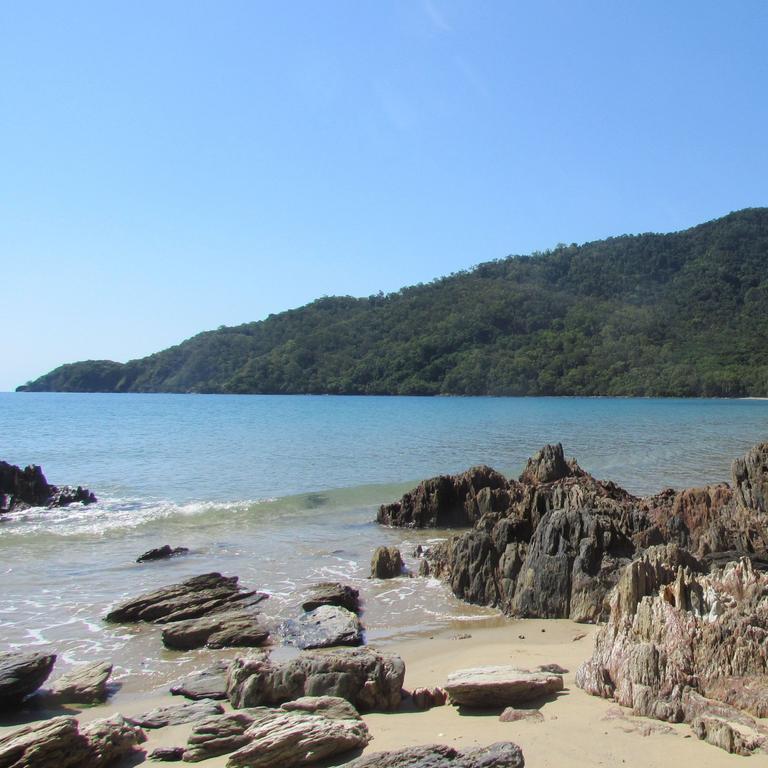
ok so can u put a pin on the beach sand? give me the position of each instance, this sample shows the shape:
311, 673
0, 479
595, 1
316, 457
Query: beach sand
577, 730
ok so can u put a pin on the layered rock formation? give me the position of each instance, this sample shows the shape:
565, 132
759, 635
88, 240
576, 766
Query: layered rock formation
502, 754
324, 627
554, 543
21, 674
23, 488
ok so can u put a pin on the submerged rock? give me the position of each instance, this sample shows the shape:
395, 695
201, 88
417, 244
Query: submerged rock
324, 627
502, 754
86, 684
23, 488
21, 674
162, 553
387, 563
500, 686
368, 679
332, 593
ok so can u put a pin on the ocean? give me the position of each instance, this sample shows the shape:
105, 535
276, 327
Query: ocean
282, 491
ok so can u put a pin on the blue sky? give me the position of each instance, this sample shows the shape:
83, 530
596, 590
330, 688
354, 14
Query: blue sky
168, 167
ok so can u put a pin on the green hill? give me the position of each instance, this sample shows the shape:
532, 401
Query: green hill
677, 314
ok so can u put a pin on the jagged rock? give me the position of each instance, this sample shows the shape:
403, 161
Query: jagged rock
208, 683
547, 466
223, 629
500, 686
445, 501
512, 715
177, 714
750, 479
61, 742
167, 754
22, 488
502, 754
162, 553
21, 674
199, 596
387, 563
684, 645
426, 698
329, 706
217, 736
368, 679
323, 627
332, 593
86, 684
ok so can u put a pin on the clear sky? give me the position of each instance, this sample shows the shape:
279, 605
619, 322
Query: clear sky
168, 167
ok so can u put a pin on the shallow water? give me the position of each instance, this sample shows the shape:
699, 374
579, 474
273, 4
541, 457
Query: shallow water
282, 491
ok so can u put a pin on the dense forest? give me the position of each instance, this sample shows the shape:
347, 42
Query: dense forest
682, 314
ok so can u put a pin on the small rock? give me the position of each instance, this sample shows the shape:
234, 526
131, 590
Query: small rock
162, 553
500, 686
387, 563
226, 629
426, 698
177, 714
462, 636
555, 669
209, 683
167, 754
324, 627
332, 593
512, 715
86, 684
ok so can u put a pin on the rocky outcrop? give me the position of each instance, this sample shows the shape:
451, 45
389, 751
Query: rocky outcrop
685, 645
177, 714
223, 629
62, 742
324, 627
500, 686
21, 674
332, 593
554, 543
86, 684
387, 563
368, 679
502, 754
208, 683
23, 488
217, 736
162, 553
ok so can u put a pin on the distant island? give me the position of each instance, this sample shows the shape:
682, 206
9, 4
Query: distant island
681, 314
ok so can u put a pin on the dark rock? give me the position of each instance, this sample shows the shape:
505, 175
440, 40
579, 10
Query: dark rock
167, 754
22, 488
500, 686
332, 593
222, 629
21, 674
387, 563
199, 596
162, 553
368, 679
750, 479
209, 683
86, 684
177, 714
503, 754
324, 627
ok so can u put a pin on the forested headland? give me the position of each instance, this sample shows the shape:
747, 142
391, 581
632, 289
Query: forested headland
681, 314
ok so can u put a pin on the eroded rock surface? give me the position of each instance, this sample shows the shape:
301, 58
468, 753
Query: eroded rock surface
21, 674
208, 683
500, 686
85, 684
324, 627
502, 754
387, 563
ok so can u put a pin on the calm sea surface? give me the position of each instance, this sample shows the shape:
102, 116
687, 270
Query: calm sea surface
282, 491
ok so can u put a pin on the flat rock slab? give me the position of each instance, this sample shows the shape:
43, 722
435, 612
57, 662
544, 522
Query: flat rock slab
324, 627
370, 680
329, 706
177, 714
223, 629
209, 683
21, 674
86, 684
502, 754
332, 593
500, 686
199, 596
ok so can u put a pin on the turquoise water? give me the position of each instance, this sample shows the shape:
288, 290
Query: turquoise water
282, 491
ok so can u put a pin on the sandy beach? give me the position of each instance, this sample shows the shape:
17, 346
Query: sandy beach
577, 729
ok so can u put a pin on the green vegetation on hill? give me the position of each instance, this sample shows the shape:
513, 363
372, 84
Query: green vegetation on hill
679, 314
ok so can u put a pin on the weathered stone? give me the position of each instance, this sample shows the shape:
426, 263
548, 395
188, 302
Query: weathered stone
502, 754
547, 466
218, 735
162, 553
21, 674
332, 593
387, 563
177, 714
500, 686
209, 683
324, 627
86, 684
426, 698
329, 706
368, 679
555, 669
199, 596
167, 754
512, 715
22, 488
223, 629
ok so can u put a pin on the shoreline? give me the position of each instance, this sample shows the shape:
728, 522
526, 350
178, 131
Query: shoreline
577, 729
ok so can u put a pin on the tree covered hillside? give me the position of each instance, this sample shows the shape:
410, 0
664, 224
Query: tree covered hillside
677, 314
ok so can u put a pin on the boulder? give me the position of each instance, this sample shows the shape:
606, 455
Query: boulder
332, 593
162, 553
62, 742
177, 714
208, 683
323, 627
23, 488
223, 629
500, 686
502, 754
370, 680
426, 698
199, 596
21, 674
86, 684
387, 563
